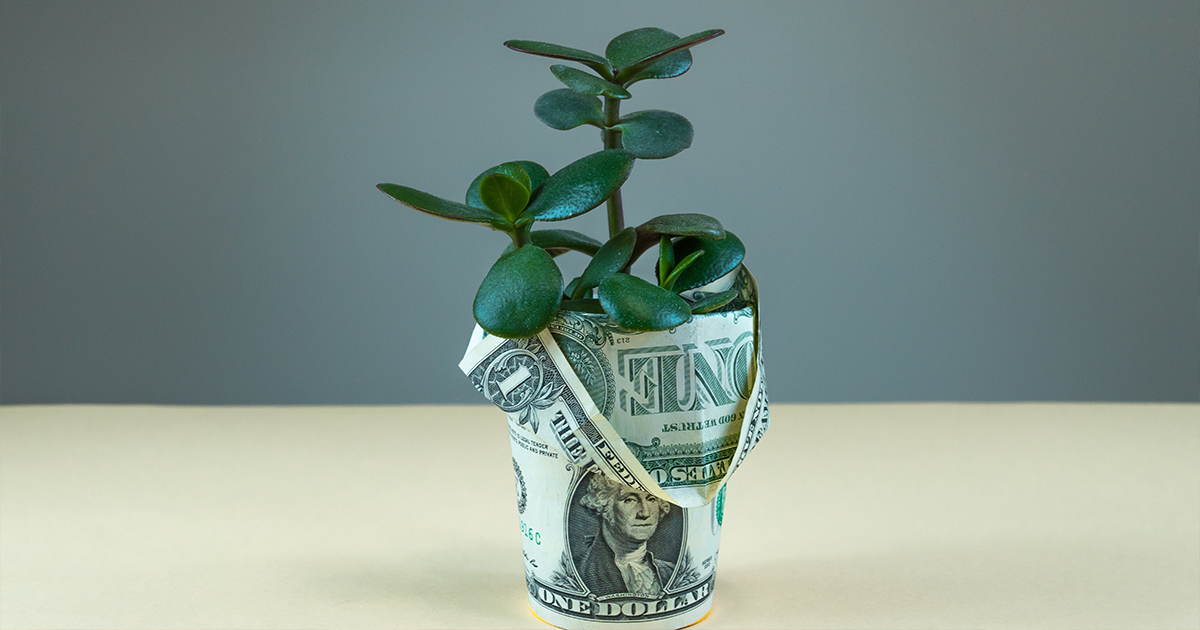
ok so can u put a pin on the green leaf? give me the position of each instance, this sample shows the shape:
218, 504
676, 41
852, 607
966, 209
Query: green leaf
675, 225
570, 290
666, 256
585, 305
537, 174
713, 302
720, 257
655, 134
580, 185
686, 224
584, 83
565, 240
565, 109
635, 304
444, 208
668, 283
517, 172
670, 59
591, 60
504, 195
520, 294
559, 242
633, 46
612, 257
521, 170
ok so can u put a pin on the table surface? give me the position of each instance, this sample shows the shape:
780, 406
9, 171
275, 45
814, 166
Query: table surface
846, 516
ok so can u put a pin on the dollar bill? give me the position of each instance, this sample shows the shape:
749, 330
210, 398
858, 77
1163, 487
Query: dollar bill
670, 412
597, 551
622, 443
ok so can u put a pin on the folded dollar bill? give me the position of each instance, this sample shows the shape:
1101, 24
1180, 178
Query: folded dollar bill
621, 442
671, 412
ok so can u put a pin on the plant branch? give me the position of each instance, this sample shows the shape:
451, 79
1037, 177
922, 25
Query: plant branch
520, 236
612, 140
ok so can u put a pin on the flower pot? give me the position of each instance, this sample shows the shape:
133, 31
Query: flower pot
622, 443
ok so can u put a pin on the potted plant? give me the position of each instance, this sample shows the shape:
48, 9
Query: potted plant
630, 402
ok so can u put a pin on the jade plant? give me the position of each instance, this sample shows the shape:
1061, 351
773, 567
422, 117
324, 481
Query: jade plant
523, 291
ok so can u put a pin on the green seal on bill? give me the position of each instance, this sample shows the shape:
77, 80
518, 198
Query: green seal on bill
720, 508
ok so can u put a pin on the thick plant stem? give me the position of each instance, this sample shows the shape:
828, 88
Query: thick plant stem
616, 215
612, 140
520, 237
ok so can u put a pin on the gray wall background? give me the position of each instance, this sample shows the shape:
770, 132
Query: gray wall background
942, 201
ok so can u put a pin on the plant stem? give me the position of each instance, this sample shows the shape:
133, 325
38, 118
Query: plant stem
612, 140
520, 237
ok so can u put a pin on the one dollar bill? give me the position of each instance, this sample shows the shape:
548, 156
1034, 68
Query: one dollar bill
621, 445
670, 412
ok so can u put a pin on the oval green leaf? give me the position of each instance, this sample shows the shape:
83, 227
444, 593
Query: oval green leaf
720, 257
584, 83
655, 134
559, 242
713, 302
521, 170
504, 195
444, 208
565, 109
591, 60
635, 304
564, 240
611, 258
630, 47
580, 185
520, 294
670, 59
687, 224
537, 174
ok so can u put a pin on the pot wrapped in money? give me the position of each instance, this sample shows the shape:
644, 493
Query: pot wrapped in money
622, 443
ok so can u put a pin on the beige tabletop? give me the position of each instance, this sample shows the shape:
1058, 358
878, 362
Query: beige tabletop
845, 516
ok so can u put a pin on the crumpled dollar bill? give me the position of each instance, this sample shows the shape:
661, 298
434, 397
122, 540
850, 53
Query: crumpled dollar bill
669, 412
622, 444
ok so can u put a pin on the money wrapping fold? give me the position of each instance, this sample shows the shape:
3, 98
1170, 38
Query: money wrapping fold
622, 444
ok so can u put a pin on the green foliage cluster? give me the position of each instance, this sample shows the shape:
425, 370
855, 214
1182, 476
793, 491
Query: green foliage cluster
524, 289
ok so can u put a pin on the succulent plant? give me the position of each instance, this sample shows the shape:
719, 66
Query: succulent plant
524, 290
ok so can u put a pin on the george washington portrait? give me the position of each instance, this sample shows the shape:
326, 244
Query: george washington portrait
620, 543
